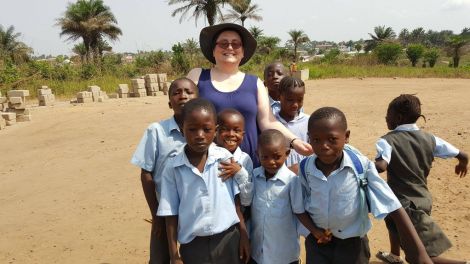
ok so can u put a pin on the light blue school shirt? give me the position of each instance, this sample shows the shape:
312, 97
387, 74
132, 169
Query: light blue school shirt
274, 237
204, 204
299, 127
333, 202
275, 105
443, 149
243, 177
160, 141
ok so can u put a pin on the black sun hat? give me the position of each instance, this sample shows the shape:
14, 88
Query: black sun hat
208, 35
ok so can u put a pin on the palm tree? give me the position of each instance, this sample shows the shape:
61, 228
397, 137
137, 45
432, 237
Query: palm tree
297, 37
243, 10
210, 9
256, 32
80, 50
91, 21
457, 46
381, 34
11, 47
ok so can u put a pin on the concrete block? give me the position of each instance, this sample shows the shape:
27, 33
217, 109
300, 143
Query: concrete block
46, 98
10, 122
84, 94
159, 93
95, 96
124, 95
17, 106
113, 96
44, 87
94, 88
162, 77
3, 100
16, 100
8, 116
140, 93
165, 87
26, 111
23, 118
18, 93
153, 87
138, 81
44, 91
101, 99
302, 74
85, 100
123, 88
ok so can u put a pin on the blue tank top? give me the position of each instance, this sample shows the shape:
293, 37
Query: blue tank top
244, 99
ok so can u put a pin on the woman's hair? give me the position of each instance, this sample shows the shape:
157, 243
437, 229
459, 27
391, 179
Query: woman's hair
198, 104
287, 83
328, 113
408, 106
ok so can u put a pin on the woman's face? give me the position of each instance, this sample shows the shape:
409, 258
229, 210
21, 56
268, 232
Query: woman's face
224, 53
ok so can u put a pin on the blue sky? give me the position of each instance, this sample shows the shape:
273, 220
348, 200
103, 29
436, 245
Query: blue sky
148, 24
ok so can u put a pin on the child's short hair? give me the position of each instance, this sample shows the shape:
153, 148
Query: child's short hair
271, 136
407, 105
328, 113
198, 104
229, 111
287, 83
174, 82
272, 64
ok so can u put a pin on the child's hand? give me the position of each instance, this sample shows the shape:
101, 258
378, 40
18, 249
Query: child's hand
176, 260
228, 169
322, 236
461, 168
244, 249
158, 224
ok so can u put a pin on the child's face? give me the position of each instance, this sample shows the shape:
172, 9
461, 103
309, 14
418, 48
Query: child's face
272, 157
393, 119
181, 94
199, 130
230, 132
273, 76
327, 138
292, 102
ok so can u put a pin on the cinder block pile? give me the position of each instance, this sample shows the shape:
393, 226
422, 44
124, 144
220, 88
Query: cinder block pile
163, 82
3, 102
123, 90
10, 118
151, 84
84, 97
138, 88
45, 96
17, 105
97, 94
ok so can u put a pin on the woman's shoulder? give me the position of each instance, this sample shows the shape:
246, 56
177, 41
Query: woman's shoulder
194, 74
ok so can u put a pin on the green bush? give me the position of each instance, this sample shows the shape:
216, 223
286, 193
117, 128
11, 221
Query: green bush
414, 52
388, 52
331, 56
9, 73
431, 56
88, 71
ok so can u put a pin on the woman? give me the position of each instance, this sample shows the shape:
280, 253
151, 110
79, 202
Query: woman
229, 46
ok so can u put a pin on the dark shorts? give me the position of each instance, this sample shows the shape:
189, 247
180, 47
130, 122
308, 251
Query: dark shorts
159, 251
218, 248
252, 261
353, 250
432, 236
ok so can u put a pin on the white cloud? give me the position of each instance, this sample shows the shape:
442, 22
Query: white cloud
456, 4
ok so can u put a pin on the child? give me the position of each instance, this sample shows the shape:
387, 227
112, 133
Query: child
160, 141
276, 198
338, 204
273, 74
406, 153
292, 91
230, 132
202, 211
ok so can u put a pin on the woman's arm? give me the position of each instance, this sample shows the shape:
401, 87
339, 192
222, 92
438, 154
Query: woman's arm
194, 74
266, 120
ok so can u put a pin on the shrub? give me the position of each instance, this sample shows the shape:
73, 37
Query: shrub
88, 71
388, 52
331, 56
430, 56
414, 52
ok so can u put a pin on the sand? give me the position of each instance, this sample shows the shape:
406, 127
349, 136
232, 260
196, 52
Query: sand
68, 193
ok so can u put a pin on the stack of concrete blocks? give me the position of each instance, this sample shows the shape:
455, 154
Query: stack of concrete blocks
84, 97
17, 105
151, 84
45, 96
123, 90
302, 74
97, 94
163, 83
3, 102
138, 88
9, 118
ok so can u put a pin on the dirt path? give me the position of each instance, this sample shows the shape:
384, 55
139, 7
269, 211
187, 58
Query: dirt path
68, 193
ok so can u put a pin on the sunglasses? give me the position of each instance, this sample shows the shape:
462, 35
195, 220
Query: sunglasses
225, 44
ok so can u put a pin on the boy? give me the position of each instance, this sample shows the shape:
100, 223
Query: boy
276, 200
162, 140
202, 211
292, 91
230, 132
330, 180
406, 153
273, 74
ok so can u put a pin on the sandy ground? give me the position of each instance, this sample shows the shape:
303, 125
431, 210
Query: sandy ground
68, 193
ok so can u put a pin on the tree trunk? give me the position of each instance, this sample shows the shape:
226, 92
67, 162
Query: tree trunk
456, 61
295, 53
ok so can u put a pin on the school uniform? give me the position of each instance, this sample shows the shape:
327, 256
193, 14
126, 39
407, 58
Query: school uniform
243, 177
409, 153
334, 203
160, 141
205, 206
274, 238
275, 105
299, 127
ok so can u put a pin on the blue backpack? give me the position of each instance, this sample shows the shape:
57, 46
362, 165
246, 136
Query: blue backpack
364, 205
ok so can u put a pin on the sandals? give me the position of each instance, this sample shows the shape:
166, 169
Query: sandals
389, 257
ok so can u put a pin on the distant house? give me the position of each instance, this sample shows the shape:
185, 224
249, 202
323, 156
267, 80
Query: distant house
127, 58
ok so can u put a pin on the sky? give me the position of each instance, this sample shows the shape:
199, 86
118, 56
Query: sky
148, 24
